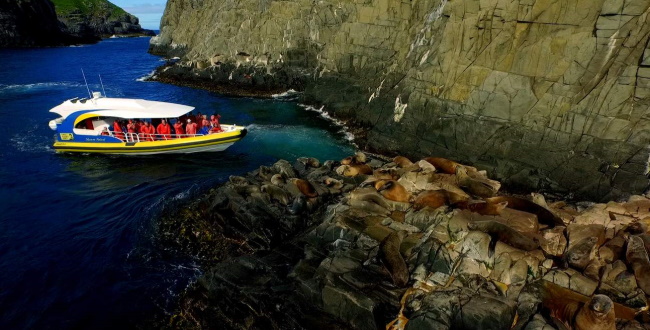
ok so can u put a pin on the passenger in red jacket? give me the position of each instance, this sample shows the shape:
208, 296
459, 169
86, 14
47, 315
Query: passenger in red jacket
179, 129
214, 121
164, 130
190, 128
117, 128
149, 131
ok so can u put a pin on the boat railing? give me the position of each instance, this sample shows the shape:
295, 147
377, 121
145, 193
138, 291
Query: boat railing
143, 137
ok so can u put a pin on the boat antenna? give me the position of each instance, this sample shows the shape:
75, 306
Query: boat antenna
101, 82
88, 88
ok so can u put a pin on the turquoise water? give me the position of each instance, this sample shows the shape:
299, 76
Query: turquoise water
77, 232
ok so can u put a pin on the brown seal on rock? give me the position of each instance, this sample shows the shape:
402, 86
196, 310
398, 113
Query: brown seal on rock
392, 259
309, 161
392, 190
384, 174
544, 216
637, 257
437, 198
402, 161
278, 179
479, 186
305, 187
581, 254
276, 193
482, 207
598, 314
358, 158
505, 234
443, 165
354, 170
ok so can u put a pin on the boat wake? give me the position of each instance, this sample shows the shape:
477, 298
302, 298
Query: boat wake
344, 130
28, 88
32, 142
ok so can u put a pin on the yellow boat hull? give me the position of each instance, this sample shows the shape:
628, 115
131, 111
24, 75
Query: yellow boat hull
205, 143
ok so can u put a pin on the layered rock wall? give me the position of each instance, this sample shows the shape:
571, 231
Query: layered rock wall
548, 94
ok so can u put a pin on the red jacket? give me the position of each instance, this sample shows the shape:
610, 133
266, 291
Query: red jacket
164, 130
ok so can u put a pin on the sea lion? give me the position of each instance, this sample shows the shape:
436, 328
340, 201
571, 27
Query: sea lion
437, 198
392, 190
265, 172
369, 195
390, 256
443, 165
383, 174
309, 162
430, 198
276, 193
637, 257
333, 183
278, 179
238, 180
358, 159
402, 161
505, 234
354, 170
482, 207
247, 189
581, 254
478, 186
564, 303
305, 187
283, 167
544, 216
598, 314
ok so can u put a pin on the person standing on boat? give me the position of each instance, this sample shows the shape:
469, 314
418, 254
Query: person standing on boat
117, 128
178, 126
190, 128
164, 130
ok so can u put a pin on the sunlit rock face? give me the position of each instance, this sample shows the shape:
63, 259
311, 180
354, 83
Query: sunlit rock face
545, 94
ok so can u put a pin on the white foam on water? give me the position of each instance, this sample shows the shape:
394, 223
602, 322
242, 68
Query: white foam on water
284, 95
148, 76
344, 130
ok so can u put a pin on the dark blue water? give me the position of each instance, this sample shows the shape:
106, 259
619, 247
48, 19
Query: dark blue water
77, 232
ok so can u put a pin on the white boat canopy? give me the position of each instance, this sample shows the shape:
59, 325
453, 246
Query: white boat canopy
122, 108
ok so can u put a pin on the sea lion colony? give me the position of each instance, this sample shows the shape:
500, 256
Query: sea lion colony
441, 230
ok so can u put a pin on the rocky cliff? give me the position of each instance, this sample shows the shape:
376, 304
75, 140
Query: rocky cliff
18, 28
544, 94
97, 19
37, 23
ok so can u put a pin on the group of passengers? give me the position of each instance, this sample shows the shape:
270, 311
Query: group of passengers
160, 129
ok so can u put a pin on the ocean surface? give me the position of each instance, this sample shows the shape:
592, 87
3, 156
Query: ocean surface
78, 247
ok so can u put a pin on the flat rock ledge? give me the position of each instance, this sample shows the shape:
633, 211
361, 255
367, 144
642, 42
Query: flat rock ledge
379, 243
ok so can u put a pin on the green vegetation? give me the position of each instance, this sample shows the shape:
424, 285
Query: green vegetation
88, 8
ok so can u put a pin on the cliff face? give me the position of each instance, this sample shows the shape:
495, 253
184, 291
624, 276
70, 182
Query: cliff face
548, 94
96, 19
18, 27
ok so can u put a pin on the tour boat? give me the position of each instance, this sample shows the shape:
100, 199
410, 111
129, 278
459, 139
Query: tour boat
85, 126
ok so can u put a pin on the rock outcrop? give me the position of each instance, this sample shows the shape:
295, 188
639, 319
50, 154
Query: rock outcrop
314, 245
29, 23
38, 23
97, 19
544, 94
